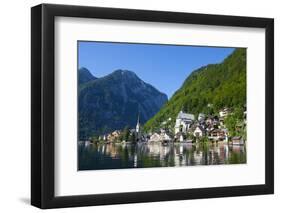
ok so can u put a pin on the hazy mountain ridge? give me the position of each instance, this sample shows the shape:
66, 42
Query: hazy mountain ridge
114, 101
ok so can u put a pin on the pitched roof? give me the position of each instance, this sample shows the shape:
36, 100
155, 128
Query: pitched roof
216, 130
183, 115
201, 128
201, 115
236, 138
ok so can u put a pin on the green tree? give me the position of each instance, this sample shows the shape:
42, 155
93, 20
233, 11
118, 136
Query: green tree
233, 120
132, 138
126, 133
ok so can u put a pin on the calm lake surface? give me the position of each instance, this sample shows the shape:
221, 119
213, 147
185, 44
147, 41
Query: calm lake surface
117, 156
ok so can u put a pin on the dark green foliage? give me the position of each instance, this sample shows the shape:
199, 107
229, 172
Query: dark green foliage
207, 90
234, 123
204, 139
95, 139
132, 138
126, 134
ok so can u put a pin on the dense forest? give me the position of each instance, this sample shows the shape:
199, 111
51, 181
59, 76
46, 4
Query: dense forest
207, 90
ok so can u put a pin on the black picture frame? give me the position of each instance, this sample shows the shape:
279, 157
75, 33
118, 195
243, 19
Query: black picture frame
43, 102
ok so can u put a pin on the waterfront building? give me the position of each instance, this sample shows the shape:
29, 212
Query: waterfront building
183, 122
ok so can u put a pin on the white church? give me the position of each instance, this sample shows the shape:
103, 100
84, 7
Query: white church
183, 122
138, 129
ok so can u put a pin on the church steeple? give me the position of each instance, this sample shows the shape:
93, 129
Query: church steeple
138, 124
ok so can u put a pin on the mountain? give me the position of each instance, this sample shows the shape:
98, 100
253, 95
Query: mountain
114, 102
207, 90
85, 75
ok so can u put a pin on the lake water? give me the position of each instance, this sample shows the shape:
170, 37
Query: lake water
117, 156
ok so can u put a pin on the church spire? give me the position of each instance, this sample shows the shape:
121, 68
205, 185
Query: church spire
138, 124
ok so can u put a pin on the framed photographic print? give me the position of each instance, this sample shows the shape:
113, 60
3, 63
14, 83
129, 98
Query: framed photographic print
139, 106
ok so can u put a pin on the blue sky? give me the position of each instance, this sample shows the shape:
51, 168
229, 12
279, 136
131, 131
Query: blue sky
163, 66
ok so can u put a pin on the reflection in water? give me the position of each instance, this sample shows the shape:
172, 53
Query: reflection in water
116, 156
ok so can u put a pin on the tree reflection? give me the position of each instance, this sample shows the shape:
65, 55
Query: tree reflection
142, 155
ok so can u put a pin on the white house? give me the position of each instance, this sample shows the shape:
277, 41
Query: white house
199, 131
218, 135
179, 137
155, 137
165, 137
183, 122
224, 112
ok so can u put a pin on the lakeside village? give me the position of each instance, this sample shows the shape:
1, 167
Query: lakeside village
187, 129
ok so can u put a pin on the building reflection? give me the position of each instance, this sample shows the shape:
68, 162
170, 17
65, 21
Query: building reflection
93, 156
